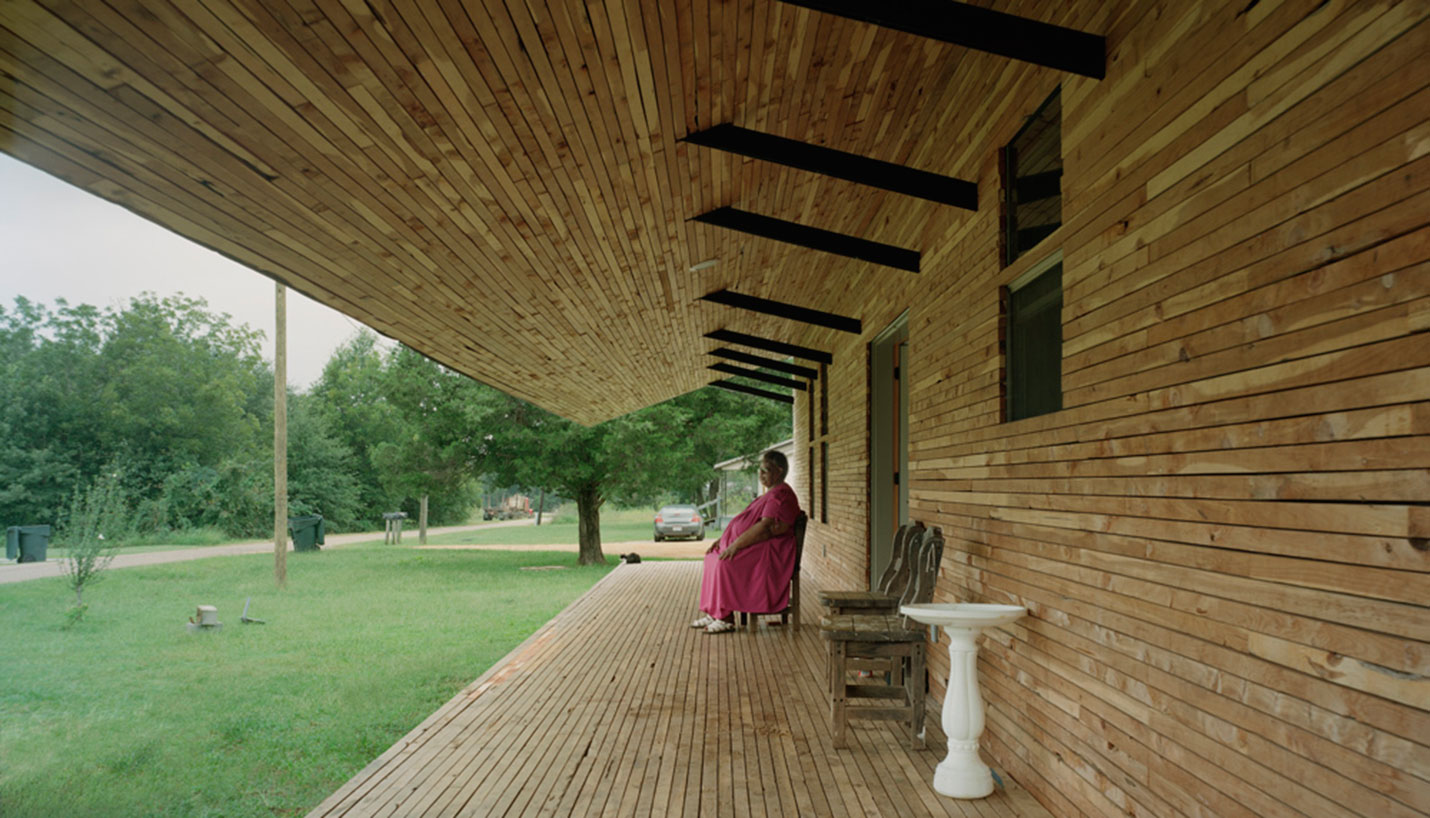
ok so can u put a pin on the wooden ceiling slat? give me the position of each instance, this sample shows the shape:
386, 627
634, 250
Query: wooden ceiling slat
563, 220
498, 182
530, 200
512, 288
516, 67
187, 216
660, 108
608, 120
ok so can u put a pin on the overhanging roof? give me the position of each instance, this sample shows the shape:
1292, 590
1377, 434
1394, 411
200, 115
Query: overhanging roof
500, 185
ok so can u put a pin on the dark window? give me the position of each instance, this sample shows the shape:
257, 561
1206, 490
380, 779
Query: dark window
824, 482
1035, 345
823, 399
811, 482
1032, 180
809, 405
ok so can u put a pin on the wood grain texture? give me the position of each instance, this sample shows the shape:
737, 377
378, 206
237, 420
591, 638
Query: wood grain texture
498, 184
1222, 537
615, 707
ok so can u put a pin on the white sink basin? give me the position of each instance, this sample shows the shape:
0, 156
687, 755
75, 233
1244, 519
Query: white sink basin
973, 615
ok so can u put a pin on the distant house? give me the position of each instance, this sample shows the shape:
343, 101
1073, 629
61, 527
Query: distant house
739, 482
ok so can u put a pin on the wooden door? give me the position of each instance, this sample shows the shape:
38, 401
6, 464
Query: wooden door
888, 442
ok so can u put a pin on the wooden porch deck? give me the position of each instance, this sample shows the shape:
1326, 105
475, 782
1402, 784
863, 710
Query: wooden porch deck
616, 707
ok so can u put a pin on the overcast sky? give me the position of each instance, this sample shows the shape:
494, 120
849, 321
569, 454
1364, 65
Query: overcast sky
57, 241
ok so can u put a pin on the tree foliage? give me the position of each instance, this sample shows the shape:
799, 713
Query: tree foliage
403, 418
662, 451
96, 523
175, 399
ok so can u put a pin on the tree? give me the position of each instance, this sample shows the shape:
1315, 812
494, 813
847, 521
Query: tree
162, 386
50, 412
433, 453
179, 386
635, 458
320, 467
405, 419
352, 396
96, 523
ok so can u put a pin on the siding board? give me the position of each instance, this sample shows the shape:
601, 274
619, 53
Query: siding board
1222, 537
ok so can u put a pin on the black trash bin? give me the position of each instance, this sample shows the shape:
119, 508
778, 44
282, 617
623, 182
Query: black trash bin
307, 532
28, 543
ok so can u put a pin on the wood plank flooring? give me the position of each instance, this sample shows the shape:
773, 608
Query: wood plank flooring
616, 707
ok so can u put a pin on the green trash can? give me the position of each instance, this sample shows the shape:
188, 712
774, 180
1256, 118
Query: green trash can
27, 543
306, 531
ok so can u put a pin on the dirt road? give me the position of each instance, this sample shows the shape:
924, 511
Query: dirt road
19, 572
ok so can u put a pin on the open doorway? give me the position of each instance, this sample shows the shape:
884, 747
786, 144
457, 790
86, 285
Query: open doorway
888, 442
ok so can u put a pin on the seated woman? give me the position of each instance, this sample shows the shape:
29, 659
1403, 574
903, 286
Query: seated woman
749, 568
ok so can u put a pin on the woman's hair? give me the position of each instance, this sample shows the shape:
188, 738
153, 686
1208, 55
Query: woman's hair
779, 460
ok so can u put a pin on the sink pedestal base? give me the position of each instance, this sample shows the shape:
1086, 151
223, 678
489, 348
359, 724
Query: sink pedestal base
962, 774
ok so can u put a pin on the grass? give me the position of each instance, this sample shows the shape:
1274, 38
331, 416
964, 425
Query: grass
161, 541
616, 526
127, 714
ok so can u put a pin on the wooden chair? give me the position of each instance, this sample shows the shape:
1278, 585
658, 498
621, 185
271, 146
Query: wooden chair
889, 637
750, 619
884, 598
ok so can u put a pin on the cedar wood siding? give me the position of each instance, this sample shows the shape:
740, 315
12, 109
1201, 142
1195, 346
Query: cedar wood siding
1222, 536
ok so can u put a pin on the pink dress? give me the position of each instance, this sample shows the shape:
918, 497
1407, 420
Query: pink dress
755, 580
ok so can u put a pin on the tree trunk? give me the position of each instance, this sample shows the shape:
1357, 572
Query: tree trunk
588, 526
422, 522
540, 506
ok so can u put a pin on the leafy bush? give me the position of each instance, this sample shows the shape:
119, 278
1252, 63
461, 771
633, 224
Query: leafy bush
97, 523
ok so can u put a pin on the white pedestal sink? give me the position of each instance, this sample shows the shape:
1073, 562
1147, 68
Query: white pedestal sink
962, 774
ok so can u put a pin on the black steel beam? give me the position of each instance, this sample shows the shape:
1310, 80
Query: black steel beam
812, 237
829, 162
1039, 186
755, 374
778, 347
767, 363
783, 310
1027, 237
981, 29
750, 390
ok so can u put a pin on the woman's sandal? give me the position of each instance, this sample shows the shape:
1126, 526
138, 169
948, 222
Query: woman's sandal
719, 626
703, 622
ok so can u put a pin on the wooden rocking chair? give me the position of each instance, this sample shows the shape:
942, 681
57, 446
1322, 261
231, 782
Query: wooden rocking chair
888, 637
884, 598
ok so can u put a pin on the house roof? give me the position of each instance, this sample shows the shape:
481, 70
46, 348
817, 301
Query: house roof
502, 185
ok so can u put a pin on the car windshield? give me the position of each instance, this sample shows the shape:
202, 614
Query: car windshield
677, 510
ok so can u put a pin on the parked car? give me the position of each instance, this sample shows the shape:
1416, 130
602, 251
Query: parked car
678, 521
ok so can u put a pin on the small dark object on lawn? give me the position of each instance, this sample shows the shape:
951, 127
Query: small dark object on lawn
244, 617
631, 558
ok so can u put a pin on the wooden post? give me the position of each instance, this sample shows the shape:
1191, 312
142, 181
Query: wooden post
422, 521
280, 437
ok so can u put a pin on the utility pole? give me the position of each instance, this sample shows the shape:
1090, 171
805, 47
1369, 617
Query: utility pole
280, 437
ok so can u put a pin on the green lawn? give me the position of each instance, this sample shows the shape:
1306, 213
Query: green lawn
616, 526
128, 714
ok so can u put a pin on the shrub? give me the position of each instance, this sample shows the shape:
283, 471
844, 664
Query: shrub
98, 521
